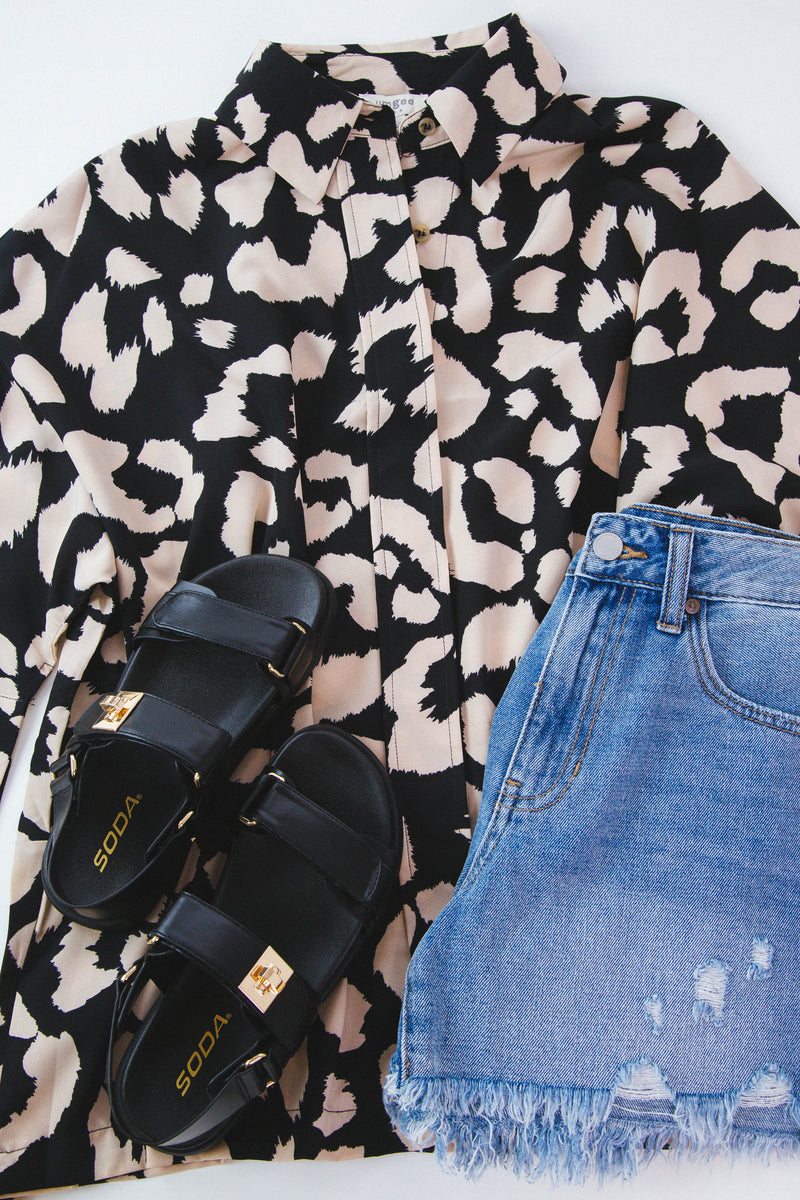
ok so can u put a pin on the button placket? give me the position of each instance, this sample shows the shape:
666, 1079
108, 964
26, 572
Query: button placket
406, 493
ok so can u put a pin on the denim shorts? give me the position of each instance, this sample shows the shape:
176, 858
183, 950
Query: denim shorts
619, 968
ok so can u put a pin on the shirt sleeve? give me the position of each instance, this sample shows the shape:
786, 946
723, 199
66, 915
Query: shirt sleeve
711, 417
56, 560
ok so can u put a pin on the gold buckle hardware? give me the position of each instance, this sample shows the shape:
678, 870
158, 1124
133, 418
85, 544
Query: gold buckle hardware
266, 978
274, 670
251, 1062
279, 775
72, 766
117, 708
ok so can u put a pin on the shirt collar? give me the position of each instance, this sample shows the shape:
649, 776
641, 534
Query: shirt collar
491, 83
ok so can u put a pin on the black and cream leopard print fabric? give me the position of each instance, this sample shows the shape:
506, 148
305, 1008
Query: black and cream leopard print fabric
416, 339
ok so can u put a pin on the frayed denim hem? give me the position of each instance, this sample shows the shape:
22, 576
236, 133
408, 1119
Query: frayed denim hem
571, 1135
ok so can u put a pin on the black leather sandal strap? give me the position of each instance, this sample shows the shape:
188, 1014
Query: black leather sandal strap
64, 770
189, 738
191, 610
250, 970
348, 859
129, 984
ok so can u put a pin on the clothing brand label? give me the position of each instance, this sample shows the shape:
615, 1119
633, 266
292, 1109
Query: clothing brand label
401, 106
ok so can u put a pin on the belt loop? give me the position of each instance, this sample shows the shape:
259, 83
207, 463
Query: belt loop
676, 579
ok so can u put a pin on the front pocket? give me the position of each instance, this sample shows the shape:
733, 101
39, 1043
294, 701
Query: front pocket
747, 657
567, 708
491, 836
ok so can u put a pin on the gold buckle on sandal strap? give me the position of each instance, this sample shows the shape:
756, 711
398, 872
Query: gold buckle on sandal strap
117, 708
266, 979
273, 670
60, 766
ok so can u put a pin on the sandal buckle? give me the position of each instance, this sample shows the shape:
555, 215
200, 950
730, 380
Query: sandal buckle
67, 763
290, 658
117, 708
266, 979
260, 794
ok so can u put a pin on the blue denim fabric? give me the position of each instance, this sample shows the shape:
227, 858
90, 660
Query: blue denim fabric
618, 970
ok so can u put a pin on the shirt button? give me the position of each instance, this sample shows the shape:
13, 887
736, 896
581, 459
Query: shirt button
608, 546
426, 126
421, 233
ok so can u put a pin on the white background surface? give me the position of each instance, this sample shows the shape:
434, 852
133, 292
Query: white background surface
76, 78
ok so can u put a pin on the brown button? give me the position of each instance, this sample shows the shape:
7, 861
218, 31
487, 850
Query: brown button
426, 126
421, 233
692, 605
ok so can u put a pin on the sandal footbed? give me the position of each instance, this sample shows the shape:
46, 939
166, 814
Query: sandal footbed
197, 1025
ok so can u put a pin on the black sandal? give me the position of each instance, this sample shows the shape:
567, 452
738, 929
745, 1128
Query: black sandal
211, 663
305, 883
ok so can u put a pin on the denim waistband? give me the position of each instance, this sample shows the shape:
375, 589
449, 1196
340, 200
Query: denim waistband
688, 557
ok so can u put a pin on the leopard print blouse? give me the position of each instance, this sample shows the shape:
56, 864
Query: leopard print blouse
411, 313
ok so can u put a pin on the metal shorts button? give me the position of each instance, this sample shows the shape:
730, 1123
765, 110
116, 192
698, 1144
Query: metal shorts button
692, 605
608, 546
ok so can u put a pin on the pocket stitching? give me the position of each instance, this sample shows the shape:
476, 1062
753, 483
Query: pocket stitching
514, 805
539, 685
723, 695
486, 848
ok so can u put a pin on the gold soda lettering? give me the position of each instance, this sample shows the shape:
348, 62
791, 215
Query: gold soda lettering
196, 1059
118, 827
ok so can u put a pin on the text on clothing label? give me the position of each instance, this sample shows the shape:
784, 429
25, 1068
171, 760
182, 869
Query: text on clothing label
401, 106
